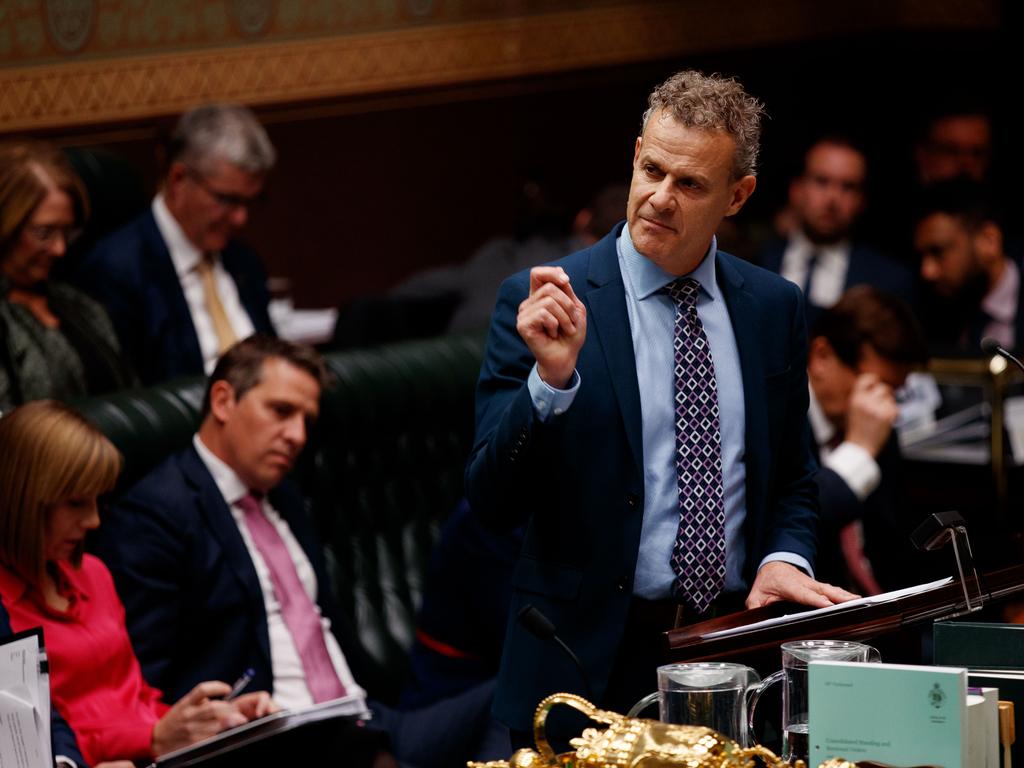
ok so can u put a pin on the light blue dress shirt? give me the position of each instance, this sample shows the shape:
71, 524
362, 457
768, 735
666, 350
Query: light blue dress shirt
652, 322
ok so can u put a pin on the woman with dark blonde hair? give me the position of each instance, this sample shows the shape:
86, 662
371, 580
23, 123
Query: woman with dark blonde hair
55, 465
54, 340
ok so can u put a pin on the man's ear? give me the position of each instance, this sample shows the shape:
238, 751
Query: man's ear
741, 191
988, 243
819, 352
222, 400
176, 176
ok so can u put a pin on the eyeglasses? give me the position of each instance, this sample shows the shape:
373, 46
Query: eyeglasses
46, 234
224, 199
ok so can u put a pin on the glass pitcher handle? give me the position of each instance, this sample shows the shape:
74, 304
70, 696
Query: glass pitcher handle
755, 696
874, 657
643, 704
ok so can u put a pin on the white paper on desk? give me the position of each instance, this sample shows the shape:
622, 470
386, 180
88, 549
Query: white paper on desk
19, 737
885, 597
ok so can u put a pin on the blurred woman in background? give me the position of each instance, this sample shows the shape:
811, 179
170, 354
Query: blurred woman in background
55, 342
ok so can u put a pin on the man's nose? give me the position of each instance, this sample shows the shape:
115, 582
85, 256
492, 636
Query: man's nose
663, 199
239, 216
295, 430
929, 269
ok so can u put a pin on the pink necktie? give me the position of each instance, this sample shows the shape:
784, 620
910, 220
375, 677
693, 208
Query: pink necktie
298, 611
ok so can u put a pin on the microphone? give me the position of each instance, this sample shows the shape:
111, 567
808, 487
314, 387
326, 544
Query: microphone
540, 626
992, 347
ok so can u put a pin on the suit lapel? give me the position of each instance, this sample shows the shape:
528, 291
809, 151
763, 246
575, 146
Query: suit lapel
856, 272
166, 282
606, 308
215, 512
743, 314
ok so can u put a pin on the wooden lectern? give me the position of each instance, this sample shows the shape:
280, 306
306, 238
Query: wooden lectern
695, 643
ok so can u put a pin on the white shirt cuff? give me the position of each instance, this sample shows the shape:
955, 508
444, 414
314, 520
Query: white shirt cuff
548, 401
856, 467
64, 762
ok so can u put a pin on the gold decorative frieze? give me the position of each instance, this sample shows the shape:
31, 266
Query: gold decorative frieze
258, 63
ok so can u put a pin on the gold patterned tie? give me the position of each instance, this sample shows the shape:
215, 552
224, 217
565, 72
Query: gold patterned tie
226, 336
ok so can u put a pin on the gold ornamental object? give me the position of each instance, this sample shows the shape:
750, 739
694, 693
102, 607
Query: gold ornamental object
630, 742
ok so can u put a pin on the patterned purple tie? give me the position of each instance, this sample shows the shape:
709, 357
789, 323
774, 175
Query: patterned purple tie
698, 557
299, 614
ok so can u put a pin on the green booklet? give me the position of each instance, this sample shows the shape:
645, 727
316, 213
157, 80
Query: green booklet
889, 713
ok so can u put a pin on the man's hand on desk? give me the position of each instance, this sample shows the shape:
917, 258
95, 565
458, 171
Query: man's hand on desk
781, 581
553, 323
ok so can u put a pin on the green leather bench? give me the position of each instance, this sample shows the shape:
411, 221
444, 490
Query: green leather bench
383, 467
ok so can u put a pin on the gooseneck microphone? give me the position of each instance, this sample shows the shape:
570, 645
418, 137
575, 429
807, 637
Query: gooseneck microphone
990, 345
540, 626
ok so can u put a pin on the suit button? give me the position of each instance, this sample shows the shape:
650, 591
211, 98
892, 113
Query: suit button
632, 501
625, 583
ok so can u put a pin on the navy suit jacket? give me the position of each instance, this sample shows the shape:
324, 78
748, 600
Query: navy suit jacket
63, 737
579, 479
867, 267
194, 606
132, 275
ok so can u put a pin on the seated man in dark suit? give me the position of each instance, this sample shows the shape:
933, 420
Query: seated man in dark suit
861, 351
178, 287
65, 748
820, 254
220, 569
973, 285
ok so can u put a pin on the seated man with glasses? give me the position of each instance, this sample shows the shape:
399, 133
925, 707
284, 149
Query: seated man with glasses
177, 285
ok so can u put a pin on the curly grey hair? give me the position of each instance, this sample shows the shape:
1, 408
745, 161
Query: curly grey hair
714, 103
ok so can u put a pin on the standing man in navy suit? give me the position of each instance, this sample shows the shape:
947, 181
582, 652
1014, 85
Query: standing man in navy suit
640, 514
178, 287
820, 254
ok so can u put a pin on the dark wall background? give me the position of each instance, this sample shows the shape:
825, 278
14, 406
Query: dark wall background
368, 191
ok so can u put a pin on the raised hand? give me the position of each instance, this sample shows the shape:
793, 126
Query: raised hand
553, 323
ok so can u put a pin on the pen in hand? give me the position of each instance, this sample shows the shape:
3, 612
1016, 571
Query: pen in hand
240, 684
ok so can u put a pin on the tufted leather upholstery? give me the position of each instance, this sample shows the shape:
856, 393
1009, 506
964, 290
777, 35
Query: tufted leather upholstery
383, 467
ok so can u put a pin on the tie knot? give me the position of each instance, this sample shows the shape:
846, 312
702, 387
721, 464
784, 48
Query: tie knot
205, 264
684, 291
250, 503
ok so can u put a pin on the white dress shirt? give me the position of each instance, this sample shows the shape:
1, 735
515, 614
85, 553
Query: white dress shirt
829, 271
186, 257
1001, 306
290, 688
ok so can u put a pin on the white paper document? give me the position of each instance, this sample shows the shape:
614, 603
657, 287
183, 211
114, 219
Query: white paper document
885, 597
24, 704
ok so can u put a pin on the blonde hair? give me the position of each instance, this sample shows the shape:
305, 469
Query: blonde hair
27, 171
50, 454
